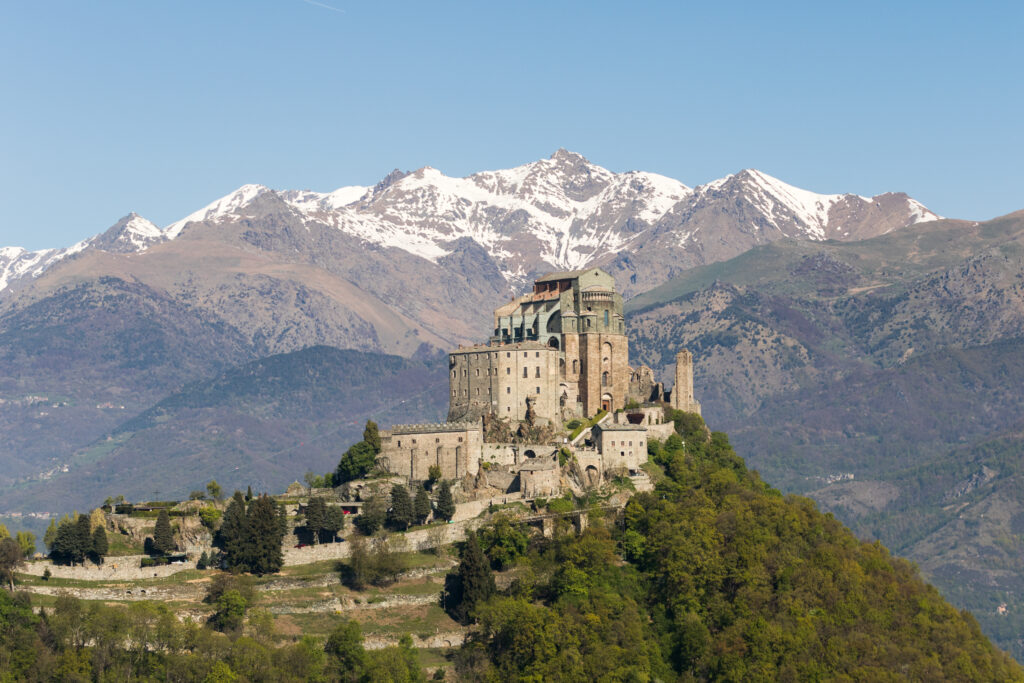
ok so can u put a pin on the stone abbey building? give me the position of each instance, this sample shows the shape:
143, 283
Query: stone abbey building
555, 353
561, 349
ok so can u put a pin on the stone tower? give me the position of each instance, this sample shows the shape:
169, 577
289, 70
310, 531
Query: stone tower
682, 392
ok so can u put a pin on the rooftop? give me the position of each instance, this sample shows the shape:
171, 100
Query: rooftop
612, 427
562, 275
431, 428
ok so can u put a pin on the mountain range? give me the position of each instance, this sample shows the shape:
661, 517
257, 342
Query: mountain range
854, 347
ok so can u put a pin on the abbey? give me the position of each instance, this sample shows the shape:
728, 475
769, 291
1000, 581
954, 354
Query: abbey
560, 350
557, 353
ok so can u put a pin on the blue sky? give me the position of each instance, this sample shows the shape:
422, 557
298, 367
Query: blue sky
159, 108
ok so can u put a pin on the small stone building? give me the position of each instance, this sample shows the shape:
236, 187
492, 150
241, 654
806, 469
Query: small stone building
540, 478
410, 450
621, 445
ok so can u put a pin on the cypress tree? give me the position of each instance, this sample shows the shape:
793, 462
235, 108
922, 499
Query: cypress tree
421, 505
163, 537
263, 537
100, 545
371, 435
401, 514
445, 502
476, 582
248, 494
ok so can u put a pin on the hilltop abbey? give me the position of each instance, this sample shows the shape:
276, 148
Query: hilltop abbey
557, 353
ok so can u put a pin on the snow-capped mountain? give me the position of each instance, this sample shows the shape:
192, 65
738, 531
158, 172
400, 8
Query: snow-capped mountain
557, 213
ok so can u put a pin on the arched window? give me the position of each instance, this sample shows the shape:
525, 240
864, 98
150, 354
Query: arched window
606, 318
604, 378
575, 366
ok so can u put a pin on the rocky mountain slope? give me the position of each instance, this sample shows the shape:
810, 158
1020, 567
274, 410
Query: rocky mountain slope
860, 372
263, 423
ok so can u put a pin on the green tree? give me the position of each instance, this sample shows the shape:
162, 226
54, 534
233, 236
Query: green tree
27, 541
357, 461
421, 505
263, 554
315, 513
51, 533
248, 494
372, 516
214, 489
475, 582
445, 501
503, 541
231, 536
334, 521
433, 475
344, 647
163, 536
371, 435
11, 558
100, 545
82, 537
4, 533
230, 614
358, 569
401, 514
64, 548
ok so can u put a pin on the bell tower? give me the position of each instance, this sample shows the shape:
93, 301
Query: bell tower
682, 392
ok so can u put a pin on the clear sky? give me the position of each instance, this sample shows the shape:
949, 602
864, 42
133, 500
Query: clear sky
161, 107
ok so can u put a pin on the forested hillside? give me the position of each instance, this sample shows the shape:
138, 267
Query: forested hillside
716, 575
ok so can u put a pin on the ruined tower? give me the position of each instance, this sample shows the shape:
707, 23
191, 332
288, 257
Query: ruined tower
682, 392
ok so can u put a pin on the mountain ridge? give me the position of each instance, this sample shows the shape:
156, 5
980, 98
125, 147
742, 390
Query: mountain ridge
564, 212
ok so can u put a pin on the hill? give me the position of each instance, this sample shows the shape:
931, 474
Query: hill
713, 575
839, 368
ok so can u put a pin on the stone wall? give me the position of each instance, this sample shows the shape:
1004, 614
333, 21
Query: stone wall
125, 567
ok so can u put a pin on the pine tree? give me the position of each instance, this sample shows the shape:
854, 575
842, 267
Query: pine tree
263, 537
163, 537
334, 521
371, 435
213, 488
83, 538
421, 505
401, 514
445, 502
62, 550
475, 580
316, 510
233, 530
100, 545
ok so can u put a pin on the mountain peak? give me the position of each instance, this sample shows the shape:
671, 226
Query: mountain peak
222, 207
564, 155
